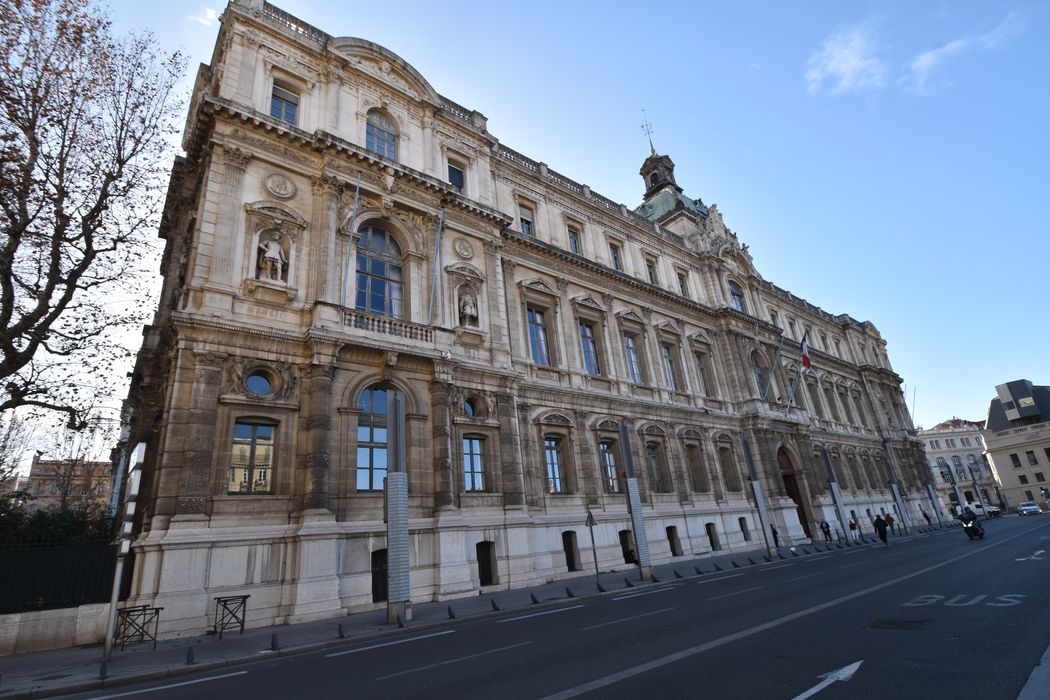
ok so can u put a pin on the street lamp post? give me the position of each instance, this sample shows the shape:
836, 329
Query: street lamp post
594, 549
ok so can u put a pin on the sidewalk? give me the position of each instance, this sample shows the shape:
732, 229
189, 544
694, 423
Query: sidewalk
78, 669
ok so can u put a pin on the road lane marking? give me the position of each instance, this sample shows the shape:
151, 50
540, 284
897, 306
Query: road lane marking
451, 661
172, 685
548, 612
721, 578
626, 619
822, 556
388, 644
799, 578
730, 595
855, 551
626, 673
778, 566
856, 563
643, 593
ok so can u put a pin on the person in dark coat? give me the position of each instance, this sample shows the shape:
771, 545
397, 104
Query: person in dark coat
826, 529
880, 528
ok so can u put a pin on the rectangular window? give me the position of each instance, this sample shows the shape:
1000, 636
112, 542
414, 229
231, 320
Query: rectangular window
284, 105
1046, 451
773, 318
701, 371
670, 369
251, 464
951, 443
526, 219
657, 469
630, 349
683, 284
555, 470
838, 349
455, 177
473, 464
574, 241
1028, 495
538, 337
966, 442
1039, 477
616, 257
697, 471
590, 348
1022, 478
824, 341
607, 454
935, 444
650, 271
1031, 457
1015, 460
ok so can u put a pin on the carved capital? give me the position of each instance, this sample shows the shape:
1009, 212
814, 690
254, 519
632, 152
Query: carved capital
235, 157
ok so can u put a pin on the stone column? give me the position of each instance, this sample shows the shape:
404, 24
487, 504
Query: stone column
511, 450
316, 467
325, 265
195, 477
224, 238
441, 426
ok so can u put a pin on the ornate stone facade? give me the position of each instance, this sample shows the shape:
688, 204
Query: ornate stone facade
338, 232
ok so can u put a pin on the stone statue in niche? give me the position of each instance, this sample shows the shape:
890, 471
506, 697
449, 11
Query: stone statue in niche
273, 260
468, 308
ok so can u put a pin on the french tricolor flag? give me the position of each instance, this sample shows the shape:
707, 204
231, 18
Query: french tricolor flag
804, 349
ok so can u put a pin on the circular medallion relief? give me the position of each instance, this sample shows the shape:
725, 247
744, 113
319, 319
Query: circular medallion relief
280, 186
463, 248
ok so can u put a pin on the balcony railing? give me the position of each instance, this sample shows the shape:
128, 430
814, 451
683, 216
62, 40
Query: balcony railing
388, 326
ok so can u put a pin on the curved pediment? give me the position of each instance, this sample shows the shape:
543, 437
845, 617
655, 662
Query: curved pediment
538, 285
384, 65
277, 211
588, 301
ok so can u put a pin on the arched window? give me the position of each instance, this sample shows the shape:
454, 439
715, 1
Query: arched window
380, 288
372, 450
727, 461
381, 134
736, 297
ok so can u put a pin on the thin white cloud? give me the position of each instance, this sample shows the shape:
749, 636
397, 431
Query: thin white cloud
1012, 26
207, 17
847, 61
925, 67
927, 62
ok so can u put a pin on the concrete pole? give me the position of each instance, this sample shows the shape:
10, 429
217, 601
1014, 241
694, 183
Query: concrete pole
756, 488
936, 505
634, 506
398, 599
905, 517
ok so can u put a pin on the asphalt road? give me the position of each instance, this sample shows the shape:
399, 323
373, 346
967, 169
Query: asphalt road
931, 616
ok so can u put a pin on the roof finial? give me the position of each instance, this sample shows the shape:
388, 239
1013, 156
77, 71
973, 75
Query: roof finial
648, 129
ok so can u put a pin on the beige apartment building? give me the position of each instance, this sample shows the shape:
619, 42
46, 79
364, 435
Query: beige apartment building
955, 455
347, 251
1017, 436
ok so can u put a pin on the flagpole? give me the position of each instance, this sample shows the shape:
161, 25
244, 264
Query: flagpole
350, 238
772, 368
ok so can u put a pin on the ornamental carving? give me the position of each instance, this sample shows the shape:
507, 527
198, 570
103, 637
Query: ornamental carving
280, 186
463, 248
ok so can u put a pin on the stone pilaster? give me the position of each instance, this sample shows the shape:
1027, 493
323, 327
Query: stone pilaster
195, 477
235, 163
316, 467
445, 494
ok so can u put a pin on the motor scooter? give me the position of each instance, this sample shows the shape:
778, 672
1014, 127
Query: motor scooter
973, 530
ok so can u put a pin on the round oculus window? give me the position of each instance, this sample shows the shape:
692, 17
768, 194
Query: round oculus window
258, 383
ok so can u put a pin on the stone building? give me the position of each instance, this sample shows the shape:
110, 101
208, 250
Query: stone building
955, 455
1017, 435
338, 236
70, 484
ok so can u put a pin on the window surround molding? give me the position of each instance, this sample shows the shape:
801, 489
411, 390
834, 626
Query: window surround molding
536, 292
618, 243
532, 205
699, 343
608, 430
285, 77
267, 220
588, 309
554, 424
669, 334
576, 224
630, 323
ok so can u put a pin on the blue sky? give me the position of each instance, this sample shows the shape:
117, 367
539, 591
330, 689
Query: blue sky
888, 160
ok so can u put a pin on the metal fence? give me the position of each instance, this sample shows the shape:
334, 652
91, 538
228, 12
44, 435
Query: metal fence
45, 578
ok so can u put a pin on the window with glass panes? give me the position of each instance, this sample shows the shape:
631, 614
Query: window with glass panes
615, 256
555, 469
251, 463
381, 135
697, 471
658, 476
630, 349
590, 348
670, 369
683, 285
525, 216
284, 105
607, 455
455, 176
574, 240
372, 450
650, 271
1031, 457
537, 336
701, 371
736, 297
380, 288
473, 463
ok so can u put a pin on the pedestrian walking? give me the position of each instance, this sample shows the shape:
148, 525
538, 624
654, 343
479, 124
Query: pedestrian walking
927, 516
889, 523
826, 529
776, 537
881, 527
854, 531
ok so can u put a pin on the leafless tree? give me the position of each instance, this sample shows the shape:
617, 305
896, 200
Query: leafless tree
15, 437
86, 133
76, 472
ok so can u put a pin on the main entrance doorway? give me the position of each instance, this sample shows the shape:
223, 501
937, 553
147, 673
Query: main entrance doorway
791, 486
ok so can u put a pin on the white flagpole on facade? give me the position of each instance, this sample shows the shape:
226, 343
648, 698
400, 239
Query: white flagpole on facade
350, 238
772, 368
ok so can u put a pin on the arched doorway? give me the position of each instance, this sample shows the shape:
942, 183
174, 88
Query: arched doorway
791, 486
